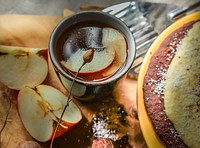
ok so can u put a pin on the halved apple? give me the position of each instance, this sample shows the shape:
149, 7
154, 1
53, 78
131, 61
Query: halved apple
40, 109
22, 66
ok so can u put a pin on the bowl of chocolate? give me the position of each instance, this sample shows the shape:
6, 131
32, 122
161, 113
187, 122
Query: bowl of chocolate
92, 51
168, 93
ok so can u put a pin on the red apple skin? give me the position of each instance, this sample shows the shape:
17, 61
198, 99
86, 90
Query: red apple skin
43, 53
102, 73
88, 76
61, 131
93, 72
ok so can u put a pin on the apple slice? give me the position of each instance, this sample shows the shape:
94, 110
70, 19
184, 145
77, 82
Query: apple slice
22, 66
108, 60
101, 60
112, 38
40, 109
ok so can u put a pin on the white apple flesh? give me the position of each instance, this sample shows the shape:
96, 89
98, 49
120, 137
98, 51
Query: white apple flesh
101, 60
22, 67
107, 60
40, 109
114, 39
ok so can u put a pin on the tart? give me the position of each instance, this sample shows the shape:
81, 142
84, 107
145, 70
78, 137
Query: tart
157, 122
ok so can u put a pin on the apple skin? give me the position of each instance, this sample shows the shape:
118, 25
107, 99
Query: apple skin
43, 53
22, 66
61, 131
40, 109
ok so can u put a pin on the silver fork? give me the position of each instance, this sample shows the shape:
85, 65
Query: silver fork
144, 32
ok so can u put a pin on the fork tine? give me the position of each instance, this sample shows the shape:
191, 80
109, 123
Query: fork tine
132, 71
127, 11
146, 37
117, 8
139, 47
141, 54
124, 12
130, 15
142, 31
136, 20
138, 27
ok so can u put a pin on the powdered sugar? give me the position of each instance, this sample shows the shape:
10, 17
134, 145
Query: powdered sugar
100, 129
158, 84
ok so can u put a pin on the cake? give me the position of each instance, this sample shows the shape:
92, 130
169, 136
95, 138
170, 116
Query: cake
171, 82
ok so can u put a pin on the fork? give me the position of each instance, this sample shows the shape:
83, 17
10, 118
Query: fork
144, 32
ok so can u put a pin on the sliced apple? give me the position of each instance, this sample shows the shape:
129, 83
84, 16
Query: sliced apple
40, 109
112, 38
108, 60
22, 66
101, 60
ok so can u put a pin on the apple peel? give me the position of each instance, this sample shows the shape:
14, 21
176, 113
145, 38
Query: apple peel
40, 109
